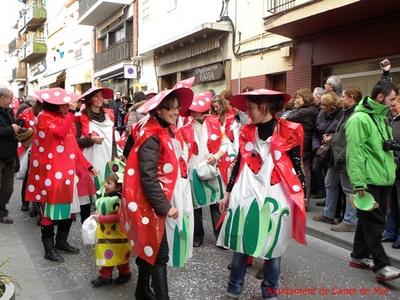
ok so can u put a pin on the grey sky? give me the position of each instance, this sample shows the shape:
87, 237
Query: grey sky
8, 19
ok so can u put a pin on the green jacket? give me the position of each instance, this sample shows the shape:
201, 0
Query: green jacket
366, 130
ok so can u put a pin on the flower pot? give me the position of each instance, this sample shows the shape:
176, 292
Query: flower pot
9, 293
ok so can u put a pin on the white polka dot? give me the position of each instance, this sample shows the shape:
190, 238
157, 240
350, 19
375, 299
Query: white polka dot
127, 226
72, 156
168, 168
145, 220
38, 197
213, 137
57, 94
31, 123
58, 175
67, 99
141, 132
201, 103
31, 188
41, 149
47, 182
296, 188
68, 92
132, 243
41, 134
249, 146
277, 154
153, 106
37, 177
71, 172
294, 171
131, 172
45, 96
50, 155
35, 163
148, 251
60, 148
207, 99
227, 159
132, 206
48, 167
179, 85
67, 182
170, 146
44, 193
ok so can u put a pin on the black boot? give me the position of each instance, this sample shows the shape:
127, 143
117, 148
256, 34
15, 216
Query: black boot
143, 291
62, 236
159, 281
48, 243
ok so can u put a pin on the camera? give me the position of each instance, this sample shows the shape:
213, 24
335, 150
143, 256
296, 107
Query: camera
391, 145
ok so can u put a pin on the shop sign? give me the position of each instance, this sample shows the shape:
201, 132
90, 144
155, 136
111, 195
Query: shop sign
209, 73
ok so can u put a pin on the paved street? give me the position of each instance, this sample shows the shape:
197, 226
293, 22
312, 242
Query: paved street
319, 268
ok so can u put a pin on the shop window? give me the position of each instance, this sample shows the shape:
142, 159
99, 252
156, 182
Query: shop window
363, 74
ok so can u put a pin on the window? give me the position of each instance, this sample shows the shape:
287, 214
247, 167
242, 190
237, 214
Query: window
116, 36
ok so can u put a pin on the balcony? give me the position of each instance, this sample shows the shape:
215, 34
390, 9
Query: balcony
306, 18
116, 53
94, 12
14, 45
19, 74
32, 18
275, 6
33, 50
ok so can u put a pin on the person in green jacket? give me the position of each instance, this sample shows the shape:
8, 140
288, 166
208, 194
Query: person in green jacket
371, 169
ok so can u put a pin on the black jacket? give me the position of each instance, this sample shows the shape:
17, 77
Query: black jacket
338, 145
8, 142
305, 116
325, 124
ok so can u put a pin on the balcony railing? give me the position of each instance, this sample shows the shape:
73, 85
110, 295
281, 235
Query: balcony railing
94, 12
275, 6
19, 74
114, 54
14, 45
32, 18
34, 49
84, 6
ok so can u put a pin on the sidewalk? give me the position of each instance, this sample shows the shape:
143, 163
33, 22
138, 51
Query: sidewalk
20, 265
343, 239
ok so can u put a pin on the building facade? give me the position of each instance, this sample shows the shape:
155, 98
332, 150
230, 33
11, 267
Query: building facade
113, 41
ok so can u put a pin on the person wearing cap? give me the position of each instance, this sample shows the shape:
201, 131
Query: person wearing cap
52, 171
264, 200
208, 146
8, 152
95, 136
156, 211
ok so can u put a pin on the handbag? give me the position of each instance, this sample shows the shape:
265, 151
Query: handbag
322, 156
205, 171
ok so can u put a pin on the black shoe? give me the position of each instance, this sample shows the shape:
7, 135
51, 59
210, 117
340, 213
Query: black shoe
396, 245
385, 239
123, 278
229, 267
100, 281
50, 252
197, 243
25, 206
62, 244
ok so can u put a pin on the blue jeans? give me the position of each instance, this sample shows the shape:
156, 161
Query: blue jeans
333, 179
392, 230
269, 286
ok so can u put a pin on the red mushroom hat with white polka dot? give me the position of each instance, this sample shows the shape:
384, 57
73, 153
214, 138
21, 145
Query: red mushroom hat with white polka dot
182, 91
201, 102
107, 92
240, 100
57, 96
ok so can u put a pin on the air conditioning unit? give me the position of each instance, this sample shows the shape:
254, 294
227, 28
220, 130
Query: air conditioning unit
286, 51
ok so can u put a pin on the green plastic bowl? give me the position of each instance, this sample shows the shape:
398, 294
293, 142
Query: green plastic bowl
365, 203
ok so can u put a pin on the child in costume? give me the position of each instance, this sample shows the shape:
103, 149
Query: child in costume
112, 248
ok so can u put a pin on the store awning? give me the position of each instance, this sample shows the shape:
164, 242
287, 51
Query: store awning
317, 17
52, 78
79, 74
